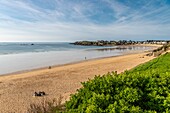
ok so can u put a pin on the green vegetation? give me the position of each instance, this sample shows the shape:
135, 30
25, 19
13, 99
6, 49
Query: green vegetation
144, 89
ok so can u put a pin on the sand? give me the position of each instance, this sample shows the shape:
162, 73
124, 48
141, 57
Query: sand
16, 90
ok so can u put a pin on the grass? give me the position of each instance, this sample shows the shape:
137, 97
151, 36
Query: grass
158, 65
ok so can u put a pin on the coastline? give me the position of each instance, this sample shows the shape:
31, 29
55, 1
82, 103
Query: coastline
155, 46
71, 63
16, 90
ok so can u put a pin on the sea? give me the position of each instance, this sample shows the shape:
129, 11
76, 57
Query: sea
24, 56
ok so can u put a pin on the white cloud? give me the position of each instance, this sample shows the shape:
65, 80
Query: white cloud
54, 25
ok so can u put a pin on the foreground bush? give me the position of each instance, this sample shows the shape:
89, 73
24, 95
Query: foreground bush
143, 89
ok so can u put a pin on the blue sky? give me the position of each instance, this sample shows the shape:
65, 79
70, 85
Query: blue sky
71, 20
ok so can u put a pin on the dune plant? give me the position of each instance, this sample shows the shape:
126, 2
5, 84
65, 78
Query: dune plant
144, 89
47, 106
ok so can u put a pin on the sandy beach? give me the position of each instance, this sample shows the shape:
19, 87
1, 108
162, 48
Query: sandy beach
49, 48
16, 91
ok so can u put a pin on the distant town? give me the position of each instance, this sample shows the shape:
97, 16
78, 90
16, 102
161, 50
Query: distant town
120, 42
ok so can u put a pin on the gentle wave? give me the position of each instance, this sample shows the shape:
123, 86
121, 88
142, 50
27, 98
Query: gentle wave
17, 48
15, 57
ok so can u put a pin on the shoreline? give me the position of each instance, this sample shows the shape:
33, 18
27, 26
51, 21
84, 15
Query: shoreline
61, 65
75, 62
67, 64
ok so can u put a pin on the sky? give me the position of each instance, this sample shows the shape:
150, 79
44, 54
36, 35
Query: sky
72, 20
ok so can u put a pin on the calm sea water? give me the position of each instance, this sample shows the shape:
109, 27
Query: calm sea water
15, 57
